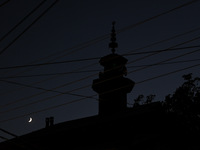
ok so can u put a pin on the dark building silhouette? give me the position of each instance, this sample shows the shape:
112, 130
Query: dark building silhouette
142, 127
111, 85
116, 127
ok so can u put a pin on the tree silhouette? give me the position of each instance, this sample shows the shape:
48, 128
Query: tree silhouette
186, 98
149, 98
185, 101
140, 99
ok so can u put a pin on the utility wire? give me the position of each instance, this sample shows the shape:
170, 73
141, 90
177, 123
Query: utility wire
27, 28
97, 83
90, 85
21, 21
62, 105
149, 19
172, 58
72, 82
100, 38
22, 99
167, 60
173, 62
51, 63
37, 94
107, 35
96, 58
7, 132
166, 74
48, 90
49, 74
44, 91
4, 3
150, 45
188, 41
44, 99
4, 138
134, 61
162, 50
166, 40
157, 16
77, 100
22, 144
87, 71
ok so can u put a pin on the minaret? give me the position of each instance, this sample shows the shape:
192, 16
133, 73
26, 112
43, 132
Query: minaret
111, 85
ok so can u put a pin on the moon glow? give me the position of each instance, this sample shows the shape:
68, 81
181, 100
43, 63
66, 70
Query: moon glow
30, 120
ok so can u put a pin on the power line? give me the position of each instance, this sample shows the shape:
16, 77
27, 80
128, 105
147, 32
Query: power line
51, 63
171, 47
48, 90
7, 132
4, 138
172, 58
166, 74
77, 100
22, 20
52, 108
151, 18
104, 81
50, 74
153, 53
41, 100
166, 40
95, 58
152, 44
163, 50
174, 62
19, 107
87, 71
4, 3
27, 28
23, 144
72, 82
39, 88
134, 25
157, 16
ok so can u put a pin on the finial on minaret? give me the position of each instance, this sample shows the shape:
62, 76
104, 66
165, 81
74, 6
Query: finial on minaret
113, 43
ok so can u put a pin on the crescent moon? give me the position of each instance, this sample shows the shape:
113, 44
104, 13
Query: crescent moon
30, 120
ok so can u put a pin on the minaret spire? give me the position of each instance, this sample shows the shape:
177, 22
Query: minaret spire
111, 86
113, 43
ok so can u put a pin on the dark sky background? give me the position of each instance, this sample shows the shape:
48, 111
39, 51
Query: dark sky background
60, 34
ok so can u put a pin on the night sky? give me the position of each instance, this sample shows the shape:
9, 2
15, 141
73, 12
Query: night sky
72, 30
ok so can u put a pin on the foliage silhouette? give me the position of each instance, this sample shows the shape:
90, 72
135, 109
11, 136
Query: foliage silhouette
185, 102
186, 98
140, 100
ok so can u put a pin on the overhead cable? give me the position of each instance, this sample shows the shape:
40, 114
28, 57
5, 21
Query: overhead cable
151, 18
87, 71
78, 100
157, 16
22, 20
72, 82
4, 3
96, 58
27, 28
19, 107
134, 25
